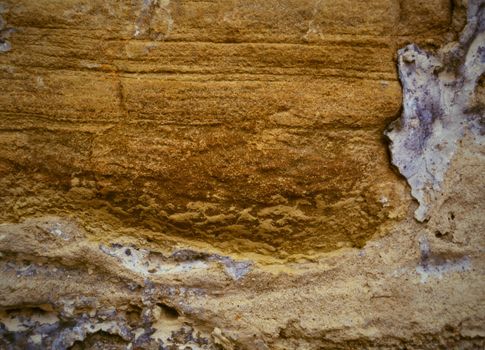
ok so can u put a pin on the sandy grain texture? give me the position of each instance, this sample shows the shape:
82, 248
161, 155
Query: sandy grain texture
215, 174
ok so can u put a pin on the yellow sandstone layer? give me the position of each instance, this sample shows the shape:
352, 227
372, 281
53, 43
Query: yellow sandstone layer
216, 175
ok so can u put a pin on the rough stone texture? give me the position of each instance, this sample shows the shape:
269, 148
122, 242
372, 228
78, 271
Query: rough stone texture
214, 174
443, 99
250, 125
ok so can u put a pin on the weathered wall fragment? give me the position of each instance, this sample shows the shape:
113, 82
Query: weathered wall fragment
442, 101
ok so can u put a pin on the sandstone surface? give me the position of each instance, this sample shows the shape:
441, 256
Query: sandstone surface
242, 174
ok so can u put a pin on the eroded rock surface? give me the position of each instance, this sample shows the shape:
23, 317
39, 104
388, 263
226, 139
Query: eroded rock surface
214, 175
443, 100
250, 126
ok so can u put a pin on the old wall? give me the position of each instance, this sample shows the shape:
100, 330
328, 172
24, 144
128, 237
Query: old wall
225, 174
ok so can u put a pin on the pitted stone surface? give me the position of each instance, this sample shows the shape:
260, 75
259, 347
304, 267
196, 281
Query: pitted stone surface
248, 126
443, 100
213, 175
